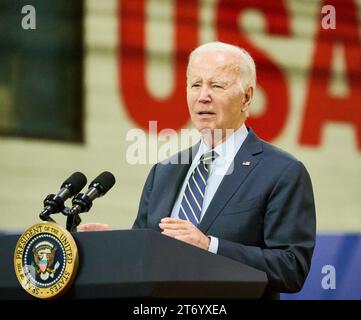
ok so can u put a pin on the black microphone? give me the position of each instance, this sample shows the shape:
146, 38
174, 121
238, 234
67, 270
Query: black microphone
99, 187
54, 203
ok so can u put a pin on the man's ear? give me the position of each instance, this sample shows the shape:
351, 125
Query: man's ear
247, 99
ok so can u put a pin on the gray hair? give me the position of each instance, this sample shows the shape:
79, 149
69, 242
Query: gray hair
246, 62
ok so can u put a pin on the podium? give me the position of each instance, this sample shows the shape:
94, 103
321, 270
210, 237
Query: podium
142, 264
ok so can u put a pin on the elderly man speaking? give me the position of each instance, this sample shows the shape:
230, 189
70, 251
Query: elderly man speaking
246, 200
237, 195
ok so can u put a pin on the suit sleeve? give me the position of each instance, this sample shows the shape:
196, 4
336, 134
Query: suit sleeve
141, 220
289, 233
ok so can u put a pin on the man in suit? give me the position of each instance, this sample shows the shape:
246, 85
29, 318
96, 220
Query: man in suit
251, 202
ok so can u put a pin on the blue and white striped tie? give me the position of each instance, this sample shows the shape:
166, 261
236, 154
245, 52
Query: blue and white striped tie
191, 206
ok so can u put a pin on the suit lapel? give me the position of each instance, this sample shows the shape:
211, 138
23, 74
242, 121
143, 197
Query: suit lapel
244, 162
175, 178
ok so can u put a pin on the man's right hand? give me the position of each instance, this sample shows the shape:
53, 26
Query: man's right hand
93, 227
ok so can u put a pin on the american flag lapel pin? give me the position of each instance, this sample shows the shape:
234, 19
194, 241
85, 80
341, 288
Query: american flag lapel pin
246, 163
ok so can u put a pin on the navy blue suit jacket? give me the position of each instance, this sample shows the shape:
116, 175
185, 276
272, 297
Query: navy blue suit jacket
263, 213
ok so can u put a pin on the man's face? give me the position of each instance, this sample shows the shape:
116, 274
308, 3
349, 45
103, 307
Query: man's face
214, 94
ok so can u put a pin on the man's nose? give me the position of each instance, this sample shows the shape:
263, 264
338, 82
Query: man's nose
204, 95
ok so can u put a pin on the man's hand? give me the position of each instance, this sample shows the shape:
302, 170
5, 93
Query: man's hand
93, 227
185, 231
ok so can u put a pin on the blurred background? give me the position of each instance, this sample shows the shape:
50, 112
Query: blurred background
75, 80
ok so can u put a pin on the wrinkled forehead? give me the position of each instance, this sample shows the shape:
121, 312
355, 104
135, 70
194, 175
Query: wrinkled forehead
208, 64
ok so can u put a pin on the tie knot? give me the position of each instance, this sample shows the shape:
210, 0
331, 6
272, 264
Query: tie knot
209, 157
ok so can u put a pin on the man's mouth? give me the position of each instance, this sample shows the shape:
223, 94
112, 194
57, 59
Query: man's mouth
205, 113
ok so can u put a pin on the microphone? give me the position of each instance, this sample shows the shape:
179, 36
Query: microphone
55, 203
99, 187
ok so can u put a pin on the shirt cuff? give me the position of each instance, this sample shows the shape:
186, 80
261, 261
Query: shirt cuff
213, 244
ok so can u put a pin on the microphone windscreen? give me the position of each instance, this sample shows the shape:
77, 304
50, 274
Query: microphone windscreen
75, 182
104, 182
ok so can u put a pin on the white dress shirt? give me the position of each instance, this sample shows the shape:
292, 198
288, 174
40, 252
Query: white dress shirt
226, 152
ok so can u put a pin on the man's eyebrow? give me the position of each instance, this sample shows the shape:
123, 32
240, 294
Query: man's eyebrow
219, 81
196, 79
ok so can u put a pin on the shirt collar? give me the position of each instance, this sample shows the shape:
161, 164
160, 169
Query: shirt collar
228, 148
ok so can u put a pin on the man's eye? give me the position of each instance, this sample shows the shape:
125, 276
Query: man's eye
196, 85
218, 86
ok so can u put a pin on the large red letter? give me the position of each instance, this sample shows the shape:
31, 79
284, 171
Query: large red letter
171, 112
270, 124
321, 106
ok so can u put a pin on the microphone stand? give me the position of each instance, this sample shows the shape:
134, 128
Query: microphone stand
46, 217
72, 219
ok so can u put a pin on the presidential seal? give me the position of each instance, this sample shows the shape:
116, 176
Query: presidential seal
46, 260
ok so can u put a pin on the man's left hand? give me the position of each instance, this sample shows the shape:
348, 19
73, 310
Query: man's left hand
185, 231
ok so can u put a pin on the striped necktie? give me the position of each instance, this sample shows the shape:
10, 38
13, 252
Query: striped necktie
191, 205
